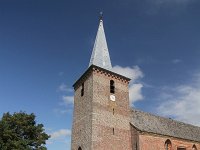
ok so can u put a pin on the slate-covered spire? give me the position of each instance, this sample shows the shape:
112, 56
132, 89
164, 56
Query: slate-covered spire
100, 55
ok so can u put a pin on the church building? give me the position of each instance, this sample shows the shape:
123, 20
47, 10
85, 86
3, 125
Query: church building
104, 120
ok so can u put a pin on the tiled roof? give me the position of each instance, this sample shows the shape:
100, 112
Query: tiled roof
147, 122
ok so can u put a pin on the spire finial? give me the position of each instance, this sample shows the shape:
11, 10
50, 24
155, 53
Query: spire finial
100, 54
101, 16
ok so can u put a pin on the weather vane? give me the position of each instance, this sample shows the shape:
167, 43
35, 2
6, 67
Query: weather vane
101, 15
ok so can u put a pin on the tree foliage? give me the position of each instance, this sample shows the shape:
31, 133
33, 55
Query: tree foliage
19, 131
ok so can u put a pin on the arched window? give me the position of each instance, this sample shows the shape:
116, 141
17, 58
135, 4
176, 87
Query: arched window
79, 148
168, 145
194, 147
112, 86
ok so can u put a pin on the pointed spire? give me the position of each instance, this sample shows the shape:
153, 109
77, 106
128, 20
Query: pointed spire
100, 55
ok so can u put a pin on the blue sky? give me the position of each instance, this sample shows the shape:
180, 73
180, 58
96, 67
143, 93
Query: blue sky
46, 45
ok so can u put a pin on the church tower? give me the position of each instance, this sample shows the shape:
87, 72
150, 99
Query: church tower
101, 119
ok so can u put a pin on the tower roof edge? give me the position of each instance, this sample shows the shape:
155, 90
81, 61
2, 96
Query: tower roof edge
82, 78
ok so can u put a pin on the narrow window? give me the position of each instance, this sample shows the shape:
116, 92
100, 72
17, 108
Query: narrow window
82, 89
136, 146
79, 148
113, 111
168, 145
112, 86
194, 147
113, 131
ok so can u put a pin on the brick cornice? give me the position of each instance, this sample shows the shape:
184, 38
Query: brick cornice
100, 70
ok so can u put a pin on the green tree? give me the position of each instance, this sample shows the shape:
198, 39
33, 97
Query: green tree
19, 131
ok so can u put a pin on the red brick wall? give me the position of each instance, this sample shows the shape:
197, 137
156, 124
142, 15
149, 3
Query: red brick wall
94, 120
155, 142
82, 117
134, 138
103, 118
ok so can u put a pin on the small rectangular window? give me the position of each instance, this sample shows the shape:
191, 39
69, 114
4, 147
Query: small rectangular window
112, 86
82, 89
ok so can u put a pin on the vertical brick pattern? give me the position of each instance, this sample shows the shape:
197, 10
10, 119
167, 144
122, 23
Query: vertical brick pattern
134, 138
82, 117
154, 142
103, 119
93, 118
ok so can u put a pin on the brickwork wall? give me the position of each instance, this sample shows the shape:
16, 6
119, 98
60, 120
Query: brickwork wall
103, 119
95, 115
101, 124
155, 142
134, 138
82, 117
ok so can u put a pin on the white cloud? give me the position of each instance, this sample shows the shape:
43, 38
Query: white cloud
131, 72
62, 136
134, 73
176, 61
182, 102
62, 133
68, 100
135, 92
64, 88
66, 106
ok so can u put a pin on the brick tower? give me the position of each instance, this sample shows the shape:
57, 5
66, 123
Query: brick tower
101, 119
